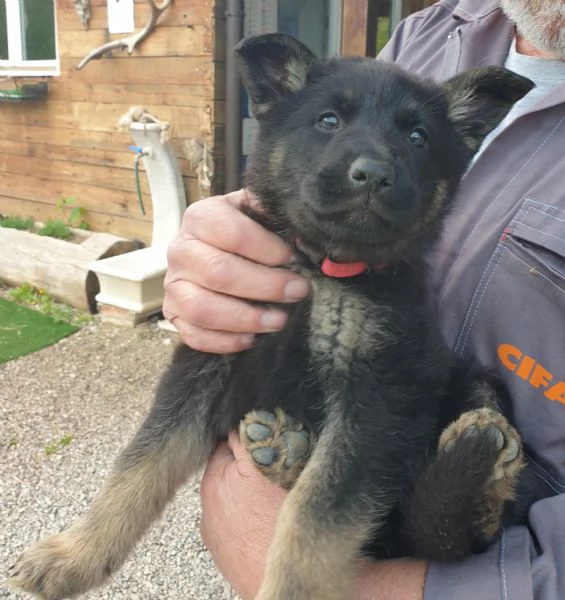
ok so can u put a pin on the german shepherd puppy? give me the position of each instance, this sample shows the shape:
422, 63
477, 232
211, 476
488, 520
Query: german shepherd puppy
388, 444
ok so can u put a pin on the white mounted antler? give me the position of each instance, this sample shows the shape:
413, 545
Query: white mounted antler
131, 41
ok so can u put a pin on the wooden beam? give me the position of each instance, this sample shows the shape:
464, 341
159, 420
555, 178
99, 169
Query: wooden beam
358, 37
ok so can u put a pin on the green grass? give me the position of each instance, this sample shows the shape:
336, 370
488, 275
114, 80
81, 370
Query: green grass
383, 32
17, 223
24, 330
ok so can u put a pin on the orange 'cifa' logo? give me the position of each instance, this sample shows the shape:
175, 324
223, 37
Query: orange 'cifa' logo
530, 370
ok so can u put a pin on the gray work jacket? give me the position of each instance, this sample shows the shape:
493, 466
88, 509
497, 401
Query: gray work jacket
499, 281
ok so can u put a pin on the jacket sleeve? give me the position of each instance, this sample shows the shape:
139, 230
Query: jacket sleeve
528, 563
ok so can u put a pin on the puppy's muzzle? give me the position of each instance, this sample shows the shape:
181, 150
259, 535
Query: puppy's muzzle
369, 174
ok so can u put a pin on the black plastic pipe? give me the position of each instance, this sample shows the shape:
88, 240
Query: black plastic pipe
232, 139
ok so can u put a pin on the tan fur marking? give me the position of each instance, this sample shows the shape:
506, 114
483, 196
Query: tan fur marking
296, 75
438, 202
340, 324
276, 160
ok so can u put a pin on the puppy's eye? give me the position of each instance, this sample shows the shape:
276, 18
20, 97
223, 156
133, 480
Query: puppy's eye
418, 137
328, 121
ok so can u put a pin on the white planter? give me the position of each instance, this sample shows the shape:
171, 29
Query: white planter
132, 282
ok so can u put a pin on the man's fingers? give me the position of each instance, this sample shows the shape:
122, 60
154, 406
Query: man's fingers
202, 308
220, 260
223, 225
243, 200
220, 271
215, 342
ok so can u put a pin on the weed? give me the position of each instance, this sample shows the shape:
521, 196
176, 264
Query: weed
12, 443
65, 440
18, 223
76, 214
29, 296
61, 443
23, 294
57, 229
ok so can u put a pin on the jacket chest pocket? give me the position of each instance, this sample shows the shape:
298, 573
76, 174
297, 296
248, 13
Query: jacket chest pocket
538, 240
523, 285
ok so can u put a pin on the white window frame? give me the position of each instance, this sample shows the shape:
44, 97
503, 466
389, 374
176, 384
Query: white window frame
16, 65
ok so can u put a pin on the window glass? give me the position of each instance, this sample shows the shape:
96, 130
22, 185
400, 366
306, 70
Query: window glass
38, 30
3, 32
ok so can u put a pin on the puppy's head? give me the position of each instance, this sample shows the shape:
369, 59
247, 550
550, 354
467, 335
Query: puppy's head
355, 159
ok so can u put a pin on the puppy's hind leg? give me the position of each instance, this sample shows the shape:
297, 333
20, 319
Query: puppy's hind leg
172, 444
458, 503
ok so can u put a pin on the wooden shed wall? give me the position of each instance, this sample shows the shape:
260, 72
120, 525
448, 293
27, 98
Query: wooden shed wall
69, 145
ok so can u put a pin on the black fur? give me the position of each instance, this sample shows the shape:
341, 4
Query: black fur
395, 401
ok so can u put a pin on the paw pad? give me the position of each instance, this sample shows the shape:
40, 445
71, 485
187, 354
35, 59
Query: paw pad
279, 445
493, 426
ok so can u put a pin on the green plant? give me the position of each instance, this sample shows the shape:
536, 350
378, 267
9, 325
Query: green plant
12, 443
70, 216
76, 214
23, 294
383, 32
61, 443
56, 228
24, 224
27, 295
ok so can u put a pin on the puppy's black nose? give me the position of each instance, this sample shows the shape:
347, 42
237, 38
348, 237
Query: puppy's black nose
371, 173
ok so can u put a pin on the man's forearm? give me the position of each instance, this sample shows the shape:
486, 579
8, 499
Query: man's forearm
401, 579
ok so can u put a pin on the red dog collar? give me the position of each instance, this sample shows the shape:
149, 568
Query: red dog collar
333, 269
342, 270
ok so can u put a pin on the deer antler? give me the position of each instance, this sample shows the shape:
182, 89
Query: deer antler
131, 41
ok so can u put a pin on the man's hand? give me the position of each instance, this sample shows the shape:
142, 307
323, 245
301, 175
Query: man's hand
219, 259
239, 512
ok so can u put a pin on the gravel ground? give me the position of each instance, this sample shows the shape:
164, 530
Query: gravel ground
95, 386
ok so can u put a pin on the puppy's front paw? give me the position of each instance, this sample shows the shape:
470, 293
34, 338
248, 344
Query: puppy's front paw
60, 566
278, 444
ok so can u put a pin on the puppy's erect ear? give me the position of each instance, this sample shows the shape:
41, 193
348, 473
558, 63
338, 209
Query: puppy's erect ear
479, 99
272, 65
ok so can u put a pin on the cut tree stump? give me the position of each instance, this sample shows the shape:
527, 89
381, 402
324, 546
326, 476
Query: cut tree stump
59, 267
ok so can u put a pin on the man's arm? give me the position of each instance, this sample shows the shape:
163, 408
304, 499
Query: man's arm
239, 512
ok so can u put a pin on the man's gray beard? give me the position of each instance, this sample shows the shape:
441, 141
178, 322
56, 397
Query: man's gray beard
539, 22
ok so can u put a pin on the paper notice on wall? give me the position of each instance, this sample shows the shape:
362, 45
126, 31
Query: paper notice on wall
121, 17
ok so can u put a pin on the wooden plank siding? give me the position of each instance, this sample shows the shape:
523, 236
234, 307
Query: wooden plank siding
358, 33
70, 145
